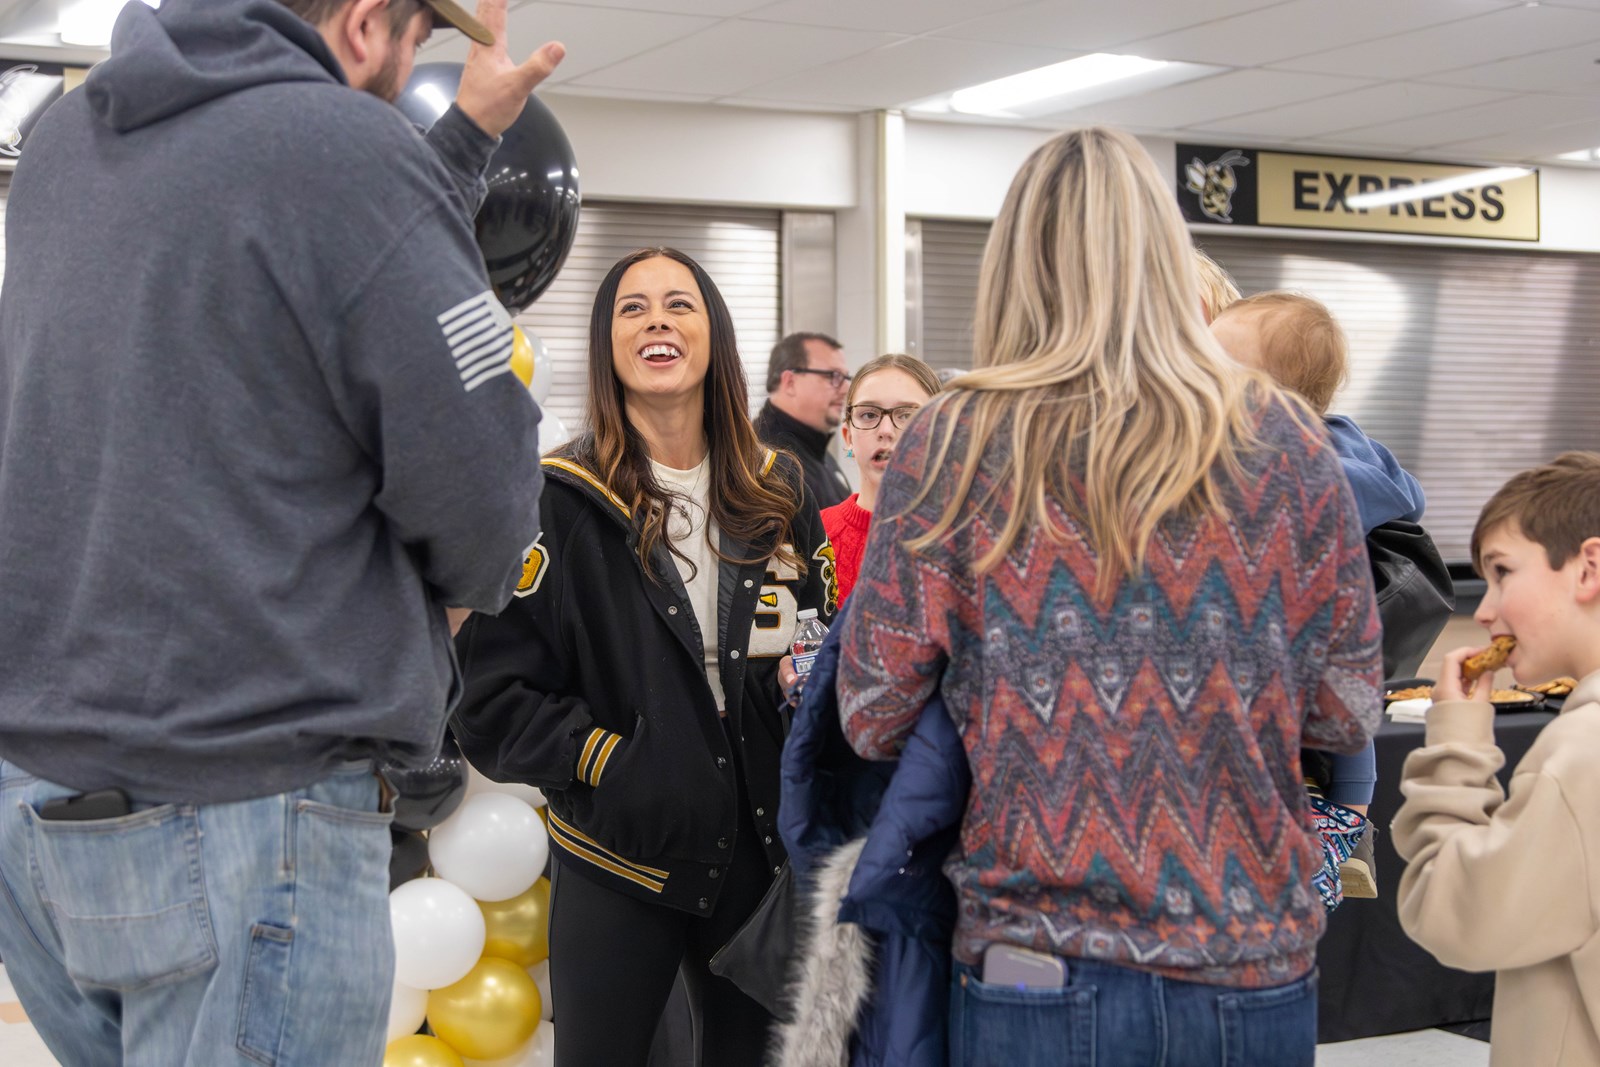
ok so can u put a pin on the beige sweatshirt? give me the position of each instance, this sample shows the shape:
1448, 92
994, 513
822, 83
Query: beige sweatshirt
1511, 885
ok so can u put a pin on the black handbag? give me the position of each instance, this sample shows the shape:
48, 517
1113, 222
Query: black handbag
1415, 594
757, 958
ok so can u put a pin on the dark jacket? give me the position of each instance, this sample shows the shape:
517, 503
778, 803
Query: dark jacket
229, 528
825, 481
892, 824
592, 686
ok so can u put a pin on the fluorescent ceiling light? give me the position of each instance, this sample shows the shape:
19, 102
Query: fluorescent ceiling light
88, 22
1584, 155
999, 97
1407, 193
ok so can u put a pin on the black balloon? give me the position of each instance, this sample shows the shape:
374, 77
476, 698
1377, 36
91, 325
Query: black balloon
529, 219
409, 859
427, 795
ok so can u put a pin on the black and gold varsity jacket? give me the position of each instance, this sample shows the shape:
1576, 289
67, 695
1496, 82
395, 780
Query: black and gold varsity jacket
591, 686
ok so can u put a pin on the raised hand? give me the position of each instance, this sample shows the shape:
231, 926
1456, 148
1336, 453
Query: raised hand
494, 89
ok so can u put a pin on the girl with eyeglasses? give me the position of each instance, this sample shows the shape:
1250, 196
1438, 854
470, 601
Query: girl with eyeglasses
883, 396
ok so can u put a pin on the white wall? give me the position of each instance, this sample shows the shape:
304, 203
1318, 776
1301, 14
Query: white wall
962, 170
694, 153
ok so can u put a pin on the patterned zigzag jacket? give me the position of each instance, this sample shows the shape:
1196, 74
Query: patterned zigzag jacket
591, 686
1136, 785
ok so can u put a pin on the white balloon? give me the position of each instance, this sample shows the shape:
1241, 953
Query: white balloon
439, 932
407, 1008
544, 367
478, 782
540, 1051
544, 1046
540, 972
494, 846
553, 433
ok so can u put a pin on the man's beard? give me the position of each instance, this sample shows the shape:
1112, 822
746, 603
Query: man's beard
385, 84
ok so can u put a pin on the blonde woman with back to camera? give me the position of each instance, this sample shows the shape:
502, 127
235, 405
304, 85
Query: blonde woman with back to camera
1136, 576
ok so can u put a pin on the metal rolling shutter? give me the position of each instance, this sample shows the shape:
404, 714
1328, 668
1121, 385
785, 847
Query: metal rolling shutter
951, 255
738, 248
1470, 364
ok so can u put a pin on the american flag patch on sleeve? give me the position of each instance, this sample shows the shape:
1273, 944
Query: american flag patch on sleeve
478, 332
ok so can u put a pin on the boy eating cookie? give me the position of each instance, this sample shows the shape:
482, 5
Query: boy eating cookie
1511, 882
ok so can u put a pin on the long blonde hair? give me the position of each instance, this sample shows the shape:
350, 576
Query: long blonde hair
1089, 340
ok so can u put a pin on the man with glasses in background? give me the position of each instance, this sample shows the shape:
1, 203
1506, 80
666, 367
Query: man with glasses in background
806, 383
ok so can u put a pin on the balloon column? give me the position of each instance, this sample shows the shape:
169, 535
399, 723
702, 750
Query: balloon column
527, 223
472, 941
531, 363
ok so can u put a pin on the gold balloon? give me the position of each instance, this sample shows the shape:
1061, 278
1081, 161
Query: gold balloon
519, 928
521, 356
420, 1050
490, 1013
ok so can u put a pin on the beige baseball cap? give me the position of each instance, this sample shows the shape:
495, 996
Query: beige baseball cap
448, 13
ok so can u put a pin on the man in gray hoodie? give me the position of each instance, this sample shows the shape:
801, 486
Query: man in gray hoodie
257, 434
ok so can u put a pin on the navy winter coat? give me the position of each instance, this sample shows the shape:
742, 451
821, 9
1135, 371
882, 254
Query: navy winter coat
910, 813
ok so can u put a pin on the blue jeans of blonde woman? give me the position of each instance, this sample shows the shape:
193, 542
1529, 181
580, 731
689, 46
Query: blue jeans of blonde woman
1111, 1016
250, 933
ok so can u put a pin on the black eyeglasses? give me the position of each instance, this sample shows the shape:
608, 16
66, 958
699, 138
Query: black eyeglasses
867, 416
836, 378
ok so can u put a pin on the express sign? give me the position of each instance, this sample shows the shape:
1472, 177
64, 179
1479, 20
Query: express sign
1251, 187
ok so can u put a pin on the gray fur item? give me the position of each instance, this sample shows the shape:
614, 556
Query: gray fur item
833, 975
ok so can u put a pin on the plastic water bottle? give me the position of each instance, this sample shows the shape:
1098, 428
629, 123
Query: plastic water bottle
807, 641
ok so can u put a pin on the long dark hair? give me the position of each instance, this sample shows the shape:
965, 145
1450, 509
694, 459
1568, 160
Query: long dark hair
748, 503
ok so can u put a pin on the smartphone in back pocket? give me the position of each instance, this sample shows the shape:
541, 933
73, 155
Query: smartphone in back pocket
1009, 965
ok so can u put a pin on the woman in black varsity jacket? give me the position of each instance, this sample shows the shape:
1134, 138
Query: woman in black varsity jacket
635, 678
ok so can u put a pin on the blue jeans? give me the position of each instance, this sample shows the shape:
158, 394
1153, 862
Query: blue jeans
1110, 1016
252, 933
1353, 779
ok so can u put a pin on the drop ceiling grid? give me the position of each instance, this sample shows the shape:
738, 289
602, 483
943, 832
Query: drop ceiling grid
1496, 78
735, 55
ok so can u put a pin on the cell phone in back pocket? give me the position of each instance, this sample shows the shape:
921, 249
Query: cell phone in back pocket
1008, 965
86, 807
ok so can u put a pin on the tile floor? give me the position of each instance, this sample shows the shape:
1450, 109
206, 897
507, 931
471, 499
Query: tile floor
21, 1047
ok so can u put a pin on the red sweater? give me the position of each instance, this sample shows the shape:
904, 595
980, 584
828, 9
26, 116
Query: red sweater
847, 523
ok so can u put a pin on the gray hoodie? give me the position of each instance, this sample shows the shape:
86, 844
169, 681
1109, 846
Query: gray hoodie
257, 428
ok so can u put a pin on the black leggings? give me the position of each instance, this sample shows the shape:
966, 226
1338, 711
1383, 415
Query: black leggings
613, 960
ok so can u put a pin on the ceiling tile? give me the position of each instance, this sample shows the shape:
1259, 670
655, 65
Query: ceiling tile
1293, 29
595, 37
652, 95
786, 105
1564, 70
1363, 107
715, 8
1531, 144
1485, 120
1090, 27
919, 67
1203, 102
888, 16
735, 55
1516, 31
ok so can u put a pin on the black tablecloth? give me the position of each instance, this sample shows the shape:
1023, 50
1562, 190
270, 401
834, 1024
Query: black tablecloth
1376, 980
